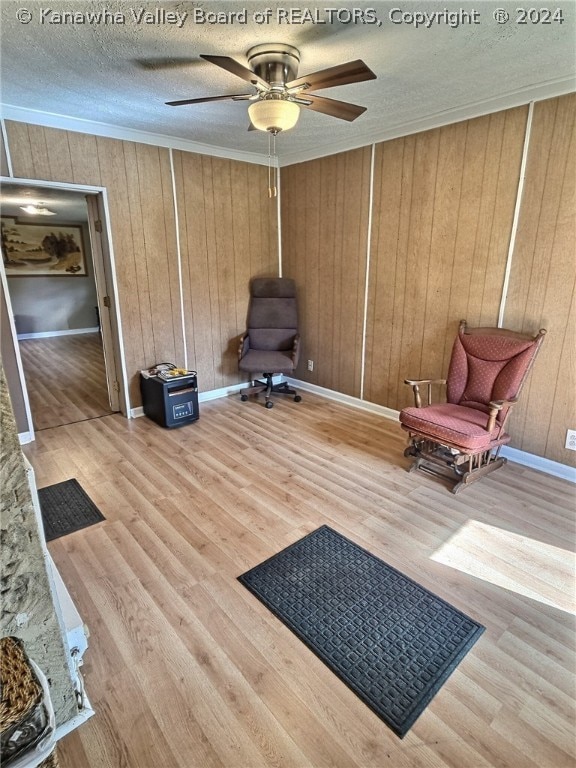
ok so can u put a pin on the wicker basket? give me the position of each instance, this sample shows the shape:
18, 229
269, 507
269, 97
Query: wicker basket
24, 715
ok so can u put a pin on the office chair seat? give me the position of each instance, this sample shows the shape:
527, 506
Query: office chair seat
263, 361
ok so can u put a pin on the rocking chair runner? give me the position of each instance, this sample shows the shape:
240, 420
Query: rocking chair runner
462, 438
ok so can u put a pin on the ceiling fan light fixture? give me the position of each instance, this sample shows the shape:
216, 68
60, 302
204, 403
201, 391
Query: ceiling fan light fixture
274, 115
37, 210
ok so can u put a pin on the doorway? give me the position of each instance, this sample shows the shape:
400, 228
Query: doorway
57, 277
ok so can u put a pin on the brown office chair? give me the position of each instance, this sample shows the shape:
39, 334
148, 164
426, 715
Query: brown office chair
271, 345
462, 438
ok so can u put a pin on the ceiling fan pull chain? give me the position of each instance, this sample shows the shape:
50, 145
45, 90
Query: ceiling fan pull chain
269, 165
275, 157
271, 155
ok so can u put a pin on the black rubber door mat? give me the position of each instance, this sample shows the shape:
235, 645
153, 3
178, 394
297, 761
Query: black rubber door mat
66, 507
390, 640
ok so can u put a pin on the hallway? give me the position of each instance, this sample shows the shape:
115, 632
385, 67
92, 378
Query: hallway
66, 379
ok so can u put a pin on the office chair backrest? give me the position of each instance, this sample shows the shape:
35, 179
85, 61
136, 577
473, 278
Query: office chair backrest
489, 364
272, 313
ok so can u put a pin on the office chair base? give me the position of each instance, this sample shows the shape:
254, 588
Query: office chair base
269, 388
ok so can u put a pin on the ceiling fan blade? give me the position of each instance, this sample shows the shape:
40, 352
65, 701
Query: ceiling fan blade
233, 66
340, 109
342, 74
172, 62
235, 96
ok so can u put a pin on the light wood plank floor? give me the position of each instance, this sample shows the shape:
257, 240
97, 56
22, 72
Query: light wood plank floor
66, 379
186, 669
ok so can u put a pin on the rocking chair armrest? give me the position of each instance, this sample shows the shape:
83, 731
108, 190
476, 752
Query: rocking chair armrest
415, 384
296, 349
243, 345
495, 407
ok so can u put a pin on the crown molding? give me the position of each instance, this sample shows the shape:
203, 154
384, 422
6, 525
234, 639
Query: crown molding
78, 125
538, 92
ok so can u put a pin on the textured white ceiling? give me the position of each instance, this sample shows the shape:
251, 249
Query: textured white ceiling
121, 74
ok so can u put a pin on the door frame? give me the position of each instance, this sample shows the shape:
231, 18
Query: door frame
96, 217
106, 290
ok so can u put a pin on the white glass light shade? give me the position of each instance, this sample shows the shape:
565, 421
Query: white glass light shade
274, 115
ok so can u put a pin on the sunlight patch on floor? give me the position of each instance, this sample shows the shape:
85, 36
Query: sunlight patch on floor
518, 563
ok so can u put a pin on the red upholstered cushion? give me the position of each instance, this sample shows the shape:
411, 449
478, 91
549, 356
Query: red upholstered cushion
487, 367
455, 424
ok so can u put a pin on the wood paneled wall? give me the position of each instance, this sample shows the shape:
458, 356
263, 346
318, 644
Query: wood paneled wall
442, 222
325, 208
221, 206
9, 362
442, 213
228, 234
4, 171
137, 177
442, 216
543, 280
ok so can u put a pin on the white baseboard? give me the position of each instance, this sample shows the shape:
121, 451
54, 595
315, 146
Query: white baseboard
211, 394
214, 394
355, 402
513, 454
49, 334
540, 463
520, 457
75, 722
25, 437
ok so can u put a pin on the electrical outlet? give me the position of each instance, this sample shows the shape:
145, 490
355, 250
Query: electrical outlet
311, 366
571, 439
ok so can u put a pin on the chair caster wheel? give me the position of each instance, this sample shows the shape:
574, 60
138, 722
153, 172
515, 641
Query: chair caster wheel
297, 398
244, 398
269, 404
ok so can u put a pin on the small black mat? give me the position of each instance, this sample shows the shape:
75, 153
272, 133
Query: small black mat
66, 507
390, 640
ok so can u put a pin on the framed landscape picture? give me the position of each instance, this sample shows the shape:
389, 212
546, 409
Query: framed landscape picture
46, 250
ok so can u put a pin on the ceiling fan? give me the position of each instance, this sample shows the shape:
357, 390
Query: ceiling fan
279, 92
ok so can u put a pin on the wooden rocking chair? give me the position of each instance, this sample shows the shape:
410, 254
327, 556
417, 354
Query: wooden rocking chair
462, 438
